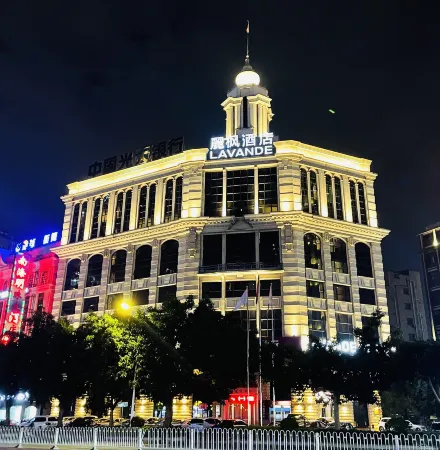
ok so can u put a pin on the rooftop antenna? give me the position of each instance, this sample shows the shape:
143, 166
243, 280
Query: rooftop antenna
247, 43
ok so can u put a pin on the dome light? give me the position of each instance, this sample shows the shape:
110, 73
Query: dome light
247, 78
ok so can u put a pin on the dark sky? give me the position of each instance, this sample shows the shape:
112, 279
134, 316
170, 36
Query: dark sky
85, 80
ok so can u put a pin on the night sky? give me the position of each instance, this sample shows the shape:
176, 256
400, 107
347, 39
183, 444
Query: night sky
85, 80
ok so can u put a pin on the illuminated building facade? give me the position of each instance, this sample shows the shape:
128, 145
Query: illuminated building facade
250, 212
27, 282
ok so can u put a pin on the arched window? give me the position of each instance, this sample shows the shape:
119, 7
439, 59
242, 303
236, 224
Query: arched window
169, 253
168, 205
178, 199
117, 267
118, 212
309, 191
95, 219
151, 205
104, 213
358, 202
147, 202
82, 221
72, 275
94, 271
127, 210
74, 226
338, 252
334, 197
312, 251
142, 208
362, 204
363, 260
142, 265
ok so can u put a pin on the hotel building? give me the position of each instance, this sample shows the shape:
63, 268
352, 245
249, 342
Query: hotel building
249, 211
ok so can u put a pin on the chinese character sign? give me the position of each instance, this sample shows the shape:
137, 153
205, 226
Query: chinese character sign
241, 399
30, 244
243, 146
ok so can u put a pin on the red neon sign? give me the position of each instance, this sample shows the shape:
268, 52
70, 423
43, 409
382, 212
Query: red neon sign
238, 399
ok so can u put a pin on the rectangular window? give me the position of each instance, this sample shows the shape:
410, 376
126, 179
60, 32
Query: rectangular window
90, 304
114, 300
241, 317
127, 210
341, 293
362, 204
168, 204
212, 290
236, 288
151, 205
329, 192
368, 321
431, 260
433, 279
104, 212
213, 194
118, 213
82, 221
212, 249
178, 199
367, 296
240, 248
267, 190
408, 306
315, 289
410, 322
68, 308
405, 291
271, 321
304, 191
239, 192
40, 303
142, 209
140, 297
166, 292
344, 327
265, 288
74, 226
269, 248
353, 199
427, 240
317, 324
338, 199
95, 218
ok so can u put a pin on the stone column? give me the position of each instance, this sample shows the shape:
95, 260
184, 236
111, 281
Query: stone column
189, 257
129, 267
348, 214
322, 194
89, 214
381, 295
155, 255
159, 202
82, 282
110, 214
104, 280
134, 207
331, 313
352, 269
285, 185
66, 223
371, 203
192, 194
256, 208
59, 287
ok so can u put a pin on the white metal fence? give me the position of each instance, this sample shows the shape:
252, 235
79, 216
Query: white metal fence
211, 439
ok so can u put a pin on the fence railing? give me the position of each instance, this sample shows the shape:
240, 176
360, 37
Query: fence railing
212, 439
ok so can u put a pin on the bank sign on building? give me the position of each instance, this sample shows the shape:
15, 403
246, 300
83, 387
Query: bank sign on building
245, 213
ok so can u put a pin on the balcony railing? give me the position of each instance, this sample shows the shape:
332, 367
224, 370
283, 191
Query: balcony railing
239, 267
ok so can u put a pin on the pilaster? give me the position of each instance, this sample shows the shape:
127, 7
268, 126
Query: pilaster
104, 281
88, 224
134, 207
286, 189
192, 191
323, 207
348, 214
371, 203
189, 257
66, 223
381, 295
59, 287
110, 214
155, 255
129, 267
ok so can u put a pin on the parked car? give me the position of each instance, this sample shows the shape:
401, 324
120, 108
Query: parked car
318, 424
196, 424
210, 422
382, 423
342, 426
44, 421
415, 427
88, 421
231, 423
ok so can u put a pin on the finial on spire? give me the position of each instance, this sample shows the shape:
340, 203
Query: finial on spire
247, 43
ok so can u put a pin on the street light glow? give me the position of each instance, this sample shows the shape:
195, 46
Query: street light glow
125, 306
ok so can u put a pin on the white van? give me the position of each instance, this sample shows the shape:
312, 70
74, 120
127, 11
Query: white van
44, 421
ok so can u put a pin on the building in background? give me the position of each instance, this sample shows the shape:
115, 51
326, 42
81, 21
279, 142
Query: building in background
6, 241
247, 212
407, 308
27, 281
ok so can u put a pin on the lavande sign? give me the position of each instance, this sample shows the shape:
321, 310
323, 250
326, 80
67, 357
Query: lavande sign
244, 146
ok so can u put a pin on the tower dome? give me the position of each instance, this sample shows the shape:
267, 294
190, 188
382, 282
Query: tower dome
247, 77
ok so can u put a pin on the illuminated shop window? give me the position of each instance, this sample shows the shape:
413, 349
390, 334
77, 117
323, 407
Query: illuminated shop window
363, 260
72, 275
94, 271
312, 251
239, 192
338, 254
317, 324
117, 266
142, 264
309, 191
213, 194
169, 254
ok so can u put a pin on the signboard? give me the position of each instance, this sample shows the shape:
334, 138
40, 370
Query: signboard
349, 347
123, 405
241, 146
240, 399
141, 156
29, 244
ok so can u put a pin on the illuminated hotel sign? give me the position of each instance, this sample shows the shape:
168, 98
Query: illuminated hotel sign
244, 146
237, 399
30, 244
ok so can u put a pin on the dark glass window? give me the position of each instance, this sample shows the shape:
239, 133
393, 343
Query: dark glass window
212, 249
271, 322
267, 190
169, 255
317, 324
166, 292
213, 194
314, 193
305, 191
118, 212
178, 199
240, 248
353, 199
338, 199
431, 259
90, 304
72, 275
241, 317
142, 265
94, 271
40, 303
236, 288
82, 221
344, 327
140, 297
142, 207
113, 300
103, 216
408, 306
127, 210
362, 204
68, 308
151, 205
270, 247
433, 279
212, 290
265, 287
117, 266
427, 240
363, 260
74, 227
341, 293
245, 113
338, 252
312, 251
315, 289
95, 219
240, 192
168, 206
367, 296
368, 321
434, 298
329, 192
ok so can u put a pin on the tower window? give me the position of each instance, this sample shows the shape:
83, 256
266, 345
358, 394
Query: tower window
267, 190
213, 194
240, 192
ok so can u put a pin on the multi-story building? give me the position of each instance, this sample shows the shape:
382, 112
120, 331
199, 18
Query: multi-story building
406, 305
243, 213
429, 245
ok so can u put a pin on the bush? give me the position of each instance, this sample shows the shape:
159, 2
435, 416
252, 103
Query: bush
137, 422
289, 423
398, 425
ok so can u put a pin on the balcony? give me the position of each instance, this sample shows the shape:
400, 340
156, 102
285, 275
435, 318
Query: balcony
239, 267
